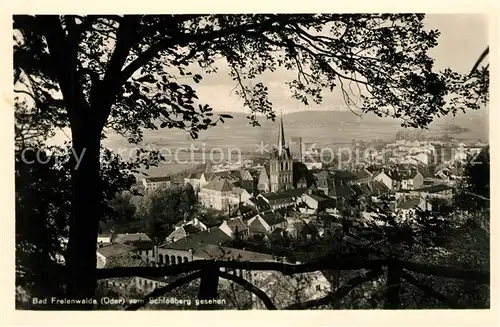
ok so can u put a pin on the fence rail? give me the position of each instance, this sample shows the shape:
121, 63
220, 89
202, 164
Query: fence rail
209, 272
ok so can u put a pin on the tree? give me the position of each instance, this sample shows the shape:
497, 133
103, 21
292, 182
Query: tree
473, 191
43, 211
165, 207
95, 73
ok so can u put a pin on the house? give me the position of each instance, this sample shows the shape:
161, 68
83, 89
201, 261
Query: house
182, 232
407, 209
412, 180
266, 223
283, 199
301, 228
212, 235
315, 202
236, 228
248, 209
344, 177
187, 251
258, 204
197, 180
247, 180
340, 190
109, 255
385, 178
302, 182
222, 195
104, 239
378, 188
140, 241
324, 180
154, 183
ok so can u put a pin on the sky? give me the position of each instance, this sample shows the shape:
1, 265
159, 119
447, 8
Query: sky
463, 38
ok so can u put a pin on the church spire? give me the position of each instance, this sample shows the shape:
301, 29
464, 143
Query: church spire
281, 136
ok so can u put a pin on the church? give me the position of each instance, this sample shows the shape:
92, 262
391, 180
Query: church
281, 164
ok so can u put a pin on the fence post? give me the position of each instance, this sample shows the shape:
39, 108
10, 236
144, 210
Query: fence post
208, 289
393, 286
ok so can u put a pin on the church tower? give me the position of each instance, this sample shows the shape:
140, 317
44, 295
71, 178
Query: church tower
281, 164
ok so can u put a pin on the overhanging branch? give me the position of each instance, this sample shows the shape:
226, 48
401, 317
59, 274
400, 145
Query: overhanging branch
250, 287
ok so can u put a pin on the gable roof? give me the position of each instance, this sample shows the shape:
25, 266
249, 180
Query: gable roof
131, 238
341, 190
256, 226
219, 185
213, 235
272, 218
125, 260
237, 224
151, 179
209, 251
362, 174
115, 249
276, 196
317, 197
344, 174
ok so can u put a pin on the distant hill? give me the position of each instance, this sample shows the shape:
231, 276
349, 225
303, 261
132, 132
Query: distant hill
322, 127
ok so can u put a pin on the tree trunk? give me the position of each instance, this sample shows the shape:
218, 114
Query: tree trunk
87, 211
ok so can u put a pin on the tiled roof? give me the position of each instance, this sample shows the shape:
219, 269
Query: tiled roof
341, 190
211, 236
259, 202
362, 174
285, 194
272, 218
344, 174
317, 197
256, 226
210, 220
209, 251
115, 249
131, 238
220, 185
125, 260
191, 229
158, 179
237, 224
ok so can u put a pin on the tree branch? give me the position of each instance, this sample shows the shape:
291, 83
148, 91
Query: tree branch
250, 287
340, 293
429, 290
